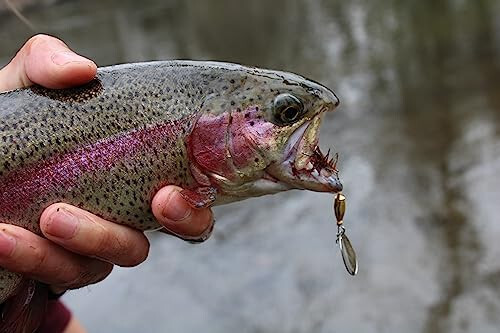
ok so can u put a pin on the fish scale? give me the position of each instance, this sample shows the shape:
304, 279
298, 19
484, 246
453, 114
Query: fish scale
212, 128
87, 116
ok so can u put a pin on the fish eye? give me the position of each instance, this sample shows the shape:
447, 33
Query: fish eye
287, 109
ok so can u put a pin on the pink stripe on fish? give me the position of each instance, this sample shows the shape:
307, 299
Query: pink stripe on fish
20, 187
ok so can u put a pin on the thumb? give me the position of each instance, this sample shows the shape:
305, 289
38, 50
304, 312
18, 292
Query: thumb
178, 218
46, 61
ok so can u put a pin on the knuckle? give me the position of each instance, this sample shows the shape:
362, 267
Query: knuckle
84, 279
101, 240
117, 244
36, 40
83, 275
41, 39
73, 277
36, 261
69, 273
123, 251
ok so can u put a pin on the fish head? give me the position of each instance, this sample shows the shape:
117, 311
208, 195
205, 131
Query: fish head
258, 134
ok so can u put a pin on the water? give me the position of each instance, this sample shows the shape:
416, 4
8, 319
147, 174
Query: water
418, 133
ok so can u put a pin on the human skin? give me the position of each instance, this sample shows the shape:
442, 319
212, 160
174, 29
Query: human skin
80, 248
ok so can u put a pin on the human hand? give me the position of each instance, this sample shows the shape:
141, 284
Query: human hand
81, 248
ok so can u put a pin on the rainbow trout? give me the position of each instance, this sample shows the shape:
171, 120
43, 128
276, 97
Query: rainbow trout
223, 132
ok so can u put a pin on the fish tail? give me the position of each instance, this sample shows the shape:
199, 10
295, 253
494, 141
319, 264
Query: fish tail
25, 310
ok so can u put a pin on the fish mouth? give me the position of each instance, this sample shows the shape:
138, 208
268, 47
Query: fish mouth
304, 166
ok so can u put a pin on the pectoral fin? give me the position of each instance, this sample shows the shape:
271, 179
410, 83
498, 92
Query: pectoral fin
201, 197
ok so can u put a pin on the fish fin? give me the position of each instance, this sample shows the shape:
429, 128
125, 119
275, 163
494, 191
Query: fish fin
201, 197
24, 311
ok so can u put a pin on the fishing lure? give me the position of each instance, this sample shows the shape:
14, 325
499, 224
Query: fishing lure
346, 248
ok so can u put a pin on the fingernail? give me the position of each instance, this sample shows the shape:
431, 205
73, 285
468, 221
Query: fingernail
204, 235
64, 57
62, 224
176, 208
7, 244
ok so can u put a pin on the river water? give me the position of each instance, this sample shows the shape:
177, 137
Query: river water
418, 133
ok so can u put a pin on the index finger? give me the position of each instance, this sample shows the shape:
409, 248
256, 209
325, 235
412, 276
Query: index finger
87, 234
49, 62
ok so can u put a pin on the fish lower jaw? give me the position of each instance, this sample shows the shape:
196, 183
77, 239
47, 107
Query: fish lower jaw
267, 184
310, 171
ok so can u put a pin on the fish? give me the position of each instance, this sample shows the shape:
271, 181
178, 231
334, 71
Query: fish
223, 132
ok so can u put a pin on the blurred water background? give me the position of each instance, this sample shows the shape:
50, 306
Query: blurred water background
418, 133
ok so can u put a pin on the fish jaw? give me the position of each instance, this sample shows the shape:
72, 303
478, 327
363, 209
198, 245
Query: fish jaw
304, 166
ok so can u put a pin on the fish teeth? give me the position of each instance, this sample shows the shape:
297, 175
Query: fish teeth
309, 166
301, 161
325, 173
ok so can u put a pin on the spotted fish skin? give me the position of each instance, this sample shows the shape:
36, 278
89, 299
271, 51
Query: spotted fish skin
106, 146
109, 145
